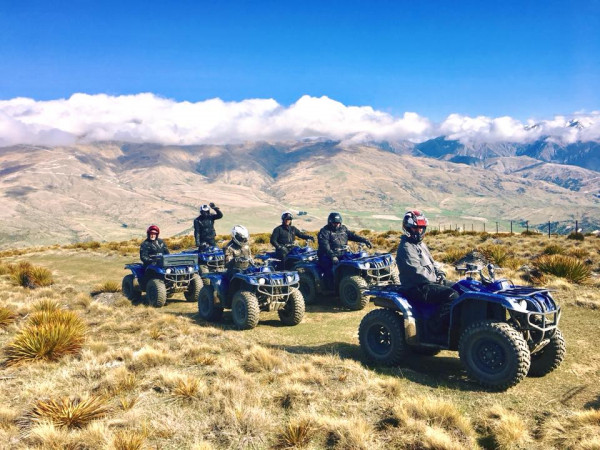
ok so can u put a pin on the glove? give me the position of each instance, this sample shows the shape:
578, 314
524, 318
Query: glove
368, 244
212, 205
335, 260
284, 251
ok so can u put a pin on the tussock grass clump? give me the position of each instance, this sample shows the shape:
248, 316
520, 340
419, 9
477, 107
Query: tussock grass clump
47, 335
453, 254
7, 316
5, 269
188, 389
68, 412
262, 238
259, 359
580, 430
564, 267
579, 253
150, 357
181, 242
505, 429
496, 253
128, 440
575, 236
553, 249
107, 286
29, 276
46, 304
297, 433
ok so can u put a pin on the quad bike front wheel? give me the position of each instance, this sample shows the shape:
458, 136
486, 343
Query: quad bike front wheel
550, 357
156, 293
351, 292
128, 289
293, 312
193, 290
207, 309
494, 354
245, 310
381, 337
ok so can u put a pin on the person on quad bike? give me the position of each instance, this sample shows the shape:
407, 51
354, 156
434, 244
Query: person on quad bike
152, 246
333, 239
284, 236
204, 226
237, 251
419, 274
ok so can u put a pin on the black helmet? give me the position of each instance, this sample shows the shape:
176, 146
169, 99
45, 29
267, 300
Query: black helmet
287, 216
334, 217
415, 225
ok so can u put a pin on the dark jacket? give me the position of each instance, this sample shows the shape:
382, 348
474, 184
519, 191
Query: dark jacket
150, 248
204, 227
415, 264
237, 257
332, 241
283, 236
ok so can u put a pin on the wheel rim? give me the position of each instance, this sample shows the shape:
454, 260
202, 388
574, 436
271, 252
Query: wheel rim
240, 311
351, 294
379, 339
489, 356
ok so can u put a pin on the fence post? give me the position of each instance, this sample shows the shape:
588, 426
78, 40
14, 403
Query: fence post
484, 227
576, 226
511, 232
472, 227
496, 227
548, 228
527, 225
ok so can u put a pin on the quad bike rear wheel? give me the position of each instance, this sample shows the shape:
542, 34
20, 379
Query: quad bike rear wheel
351, 292
308, 287
129, 290
381, 337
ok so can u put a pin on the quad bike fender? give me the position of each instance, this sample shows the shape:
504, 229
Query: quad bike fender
395, 302
314, 270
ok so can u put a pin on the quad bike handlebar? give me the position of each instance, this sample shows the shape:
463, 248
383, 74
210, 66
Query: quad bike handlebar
469, 269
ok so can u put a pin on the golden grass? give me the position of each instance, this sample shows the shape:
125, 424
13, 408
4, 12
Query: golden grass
67, 412
107, 286
297, 433
453, 254
128, 439
579, 430
29, 276
47, 335
553, 249
564, 266
506, 429
7, 316
261, 359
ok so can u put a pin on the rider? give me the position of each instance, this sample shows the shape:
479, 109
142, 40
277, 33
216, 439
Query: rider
419, 273
333, 239
237, 251
152, 246
204, 225
284, 235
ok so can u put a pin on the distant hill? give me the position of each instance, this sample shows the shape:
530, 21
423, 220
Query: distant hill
114, 190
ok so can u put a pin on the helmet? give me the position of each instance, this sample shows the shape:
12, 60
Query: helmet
153, 229
287, 216
334, 217
204, 209
239, 234
414, 225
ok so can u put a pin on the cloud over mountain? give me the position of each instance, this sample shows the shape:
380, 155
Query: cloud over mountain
149, 118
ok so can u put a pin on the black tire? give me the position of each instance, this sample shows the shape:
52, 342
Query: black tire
193, 291
494, 354
351, 292
156, 293
129, 290
308, 288
550, 357
424, 351
245, 310
293, 313
204, 270
381, 337
206, 305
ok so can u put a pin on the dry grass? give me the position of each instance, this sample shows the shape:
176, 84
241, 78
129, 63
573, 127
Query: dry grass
579, 430
506, 430
297, 433
72, 412
261, 359
128, 440
562, 266
107, 286
47, 335
29, 276
7, 316
553, 249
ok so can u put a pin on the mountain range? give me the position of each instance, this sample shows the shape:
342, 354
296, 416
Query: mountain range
114, 190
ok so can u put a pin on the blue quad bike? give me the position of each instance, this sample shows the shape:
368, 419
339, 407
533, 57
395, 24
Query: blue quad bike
296, 255
502, 332
211, 259
355, 272
165, 276
249, 291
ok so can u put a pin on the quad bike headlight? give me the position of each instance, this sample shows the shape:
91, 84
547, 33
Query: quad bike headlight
367, 265
210, 258
522, 304
190, 269
290, 278
261, 281
168, 271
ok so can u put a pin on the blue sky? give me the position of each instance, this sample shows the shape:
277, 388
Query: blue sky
519, 58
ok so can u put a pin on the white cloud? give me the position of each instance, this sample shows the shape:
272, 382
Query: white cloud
149, 118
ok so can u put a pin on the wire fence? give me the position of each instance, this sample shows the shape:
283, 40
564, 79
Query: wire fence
511, 227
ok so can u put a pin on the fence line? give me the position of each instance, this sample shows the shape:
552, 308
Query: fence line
509, 227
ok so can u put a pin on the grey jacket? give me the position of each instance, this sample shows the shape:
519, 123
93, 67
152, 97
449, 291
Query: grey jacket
415, 264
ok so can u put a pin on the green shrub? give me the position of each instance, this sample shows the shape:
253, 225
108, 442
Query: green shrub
576, 236
564, 267
553, 249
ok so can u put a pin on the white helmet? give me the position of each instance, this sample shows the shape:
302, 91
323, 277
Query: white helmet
204, 209
239, 234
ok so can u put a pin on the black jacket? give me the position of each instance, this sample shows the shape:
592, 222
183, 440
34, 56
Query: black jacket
332, 241
283, 236
150, 248
204, 227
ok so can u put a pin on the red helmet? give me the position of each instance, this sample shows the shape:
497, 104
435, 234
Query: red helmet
414, 225
152, 229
